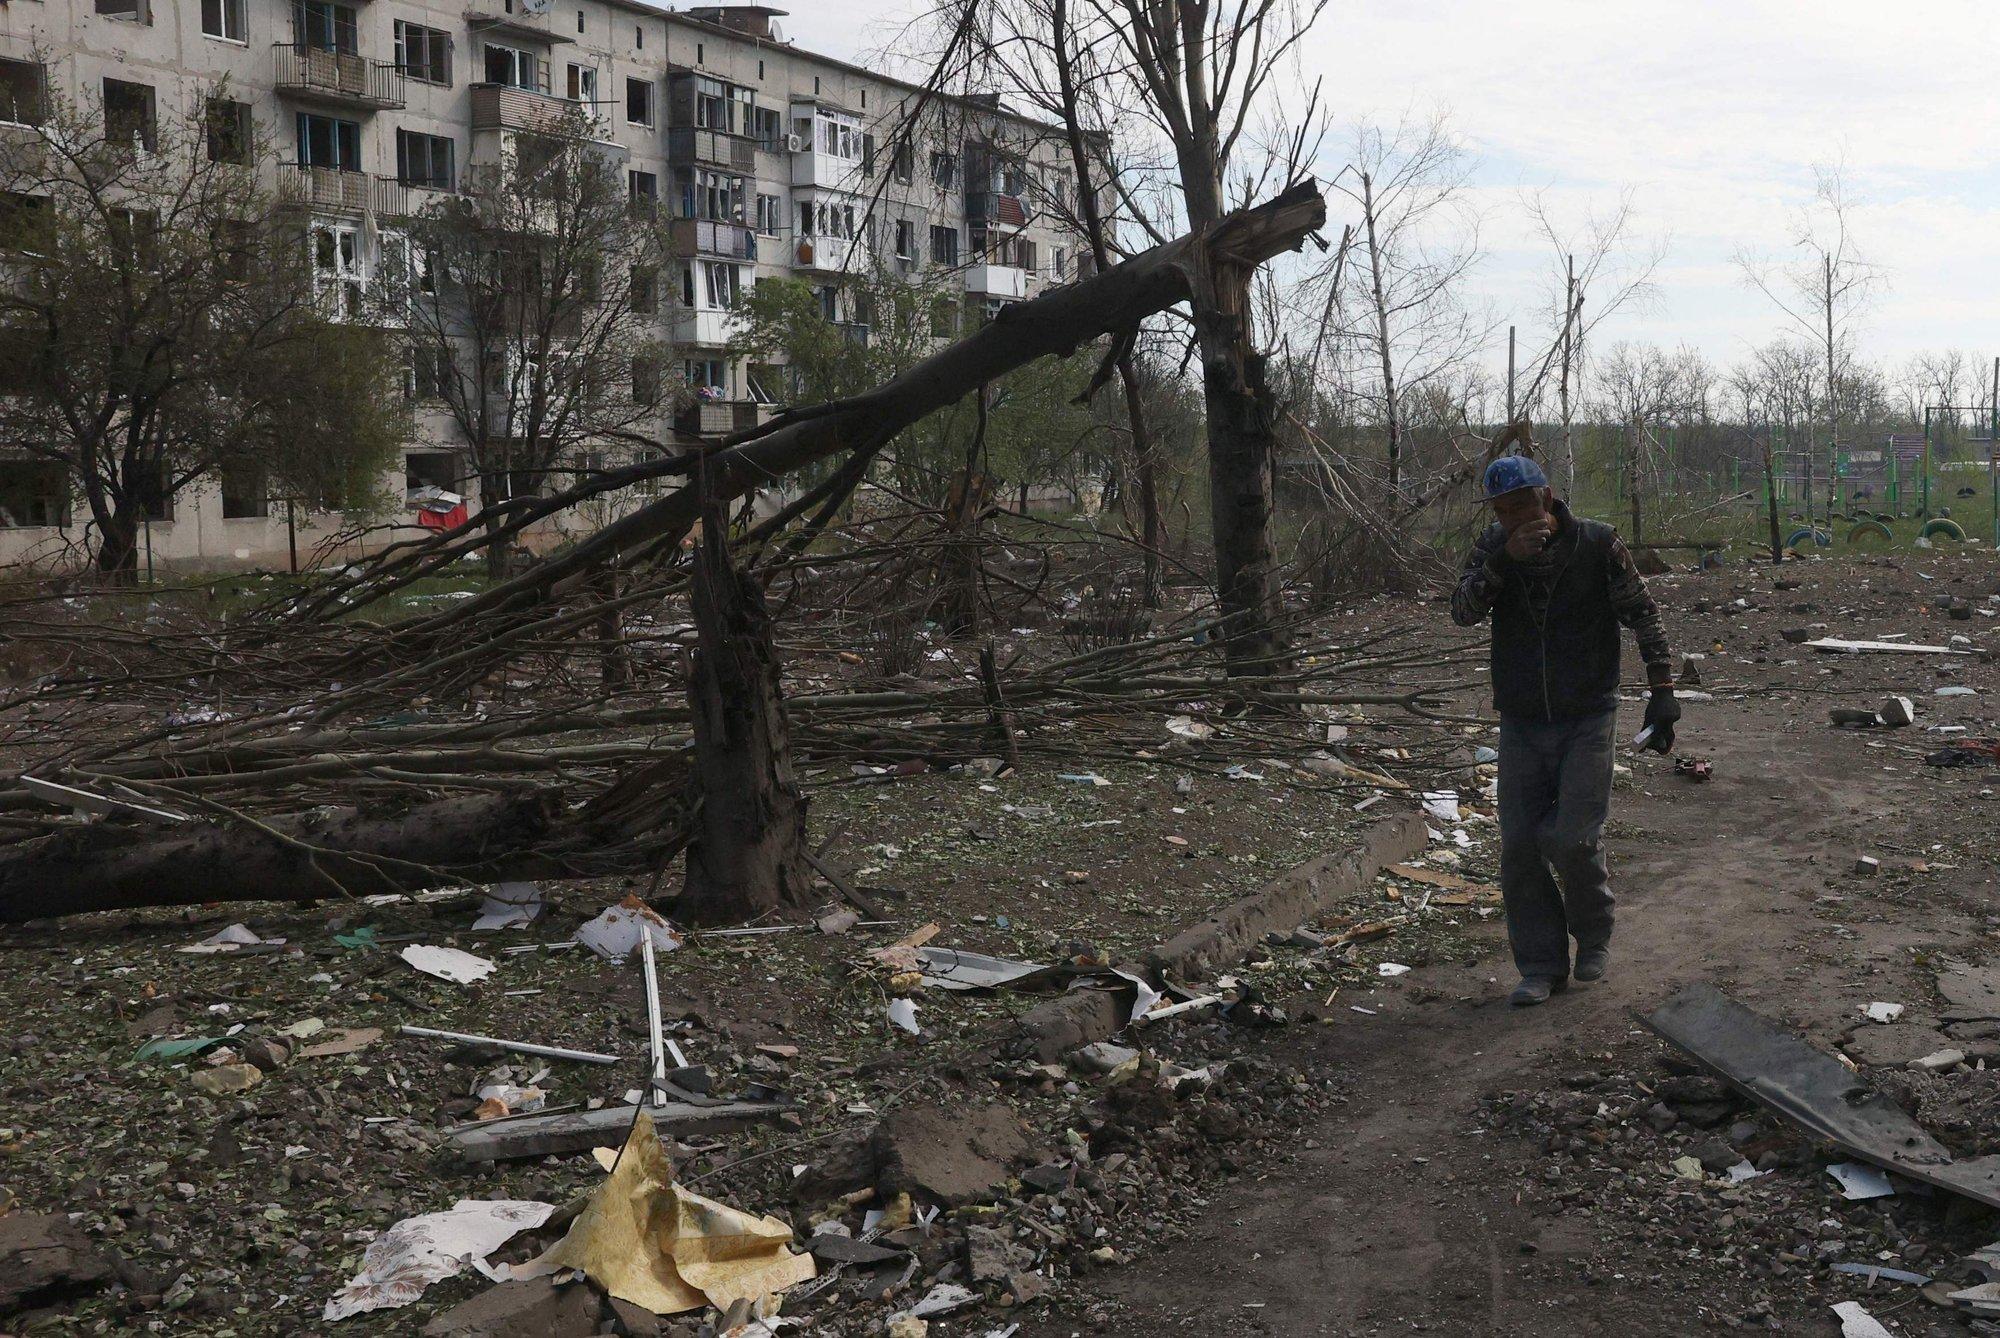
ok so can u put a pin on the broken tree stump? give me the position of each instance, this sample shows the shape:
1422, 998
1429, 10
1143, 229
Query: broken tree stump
747, 854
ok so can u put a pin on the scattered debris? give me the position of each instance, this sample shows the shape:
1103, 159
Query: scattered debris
44, 1258
614, 935
1813, 1090
1856, 1322
233, 938
417, 1251
1860, 1182
519, 1047
1883, 1012
646, 1239
509, 906
453, 964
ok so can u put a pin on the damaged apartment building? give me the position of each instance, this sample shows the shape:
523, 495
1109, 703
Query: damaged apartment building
770, 161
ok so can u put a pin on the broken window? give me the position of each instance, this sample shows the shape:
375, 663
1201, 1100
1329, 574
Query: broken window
645, 381
227, 130
150, 491
423, 53
328, 141
129, 118
944, 245
639, 101
21, 92
33, 492
245, 491
338, 276
645, 290
323, 26
425, 160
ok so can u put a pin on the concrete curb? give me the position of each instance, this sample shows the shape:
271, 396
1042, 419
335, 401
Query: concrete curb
1052, 1029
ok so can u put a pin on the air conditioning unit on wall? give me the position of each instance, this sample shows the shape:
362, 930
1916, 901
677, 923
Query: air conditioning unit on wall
795, 143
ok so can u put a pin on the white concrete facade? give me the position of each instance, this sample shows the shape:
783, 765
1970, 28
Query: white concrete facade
772, 161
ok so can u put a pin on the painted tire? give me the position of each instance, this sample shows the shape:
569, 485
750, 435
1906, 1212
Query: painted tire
1870, 527
1948, 528
1818, 536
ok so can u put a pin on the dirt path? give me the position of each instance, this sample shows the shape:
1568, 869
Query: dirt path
1400, 1214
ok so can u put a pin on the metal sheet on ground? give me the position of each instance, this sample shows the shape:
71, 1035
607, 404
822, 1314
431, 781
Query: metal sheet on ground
1815, 1091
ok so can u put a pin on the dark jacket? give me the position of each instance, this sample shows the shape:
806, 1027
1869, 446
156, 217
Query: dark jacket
1556, 619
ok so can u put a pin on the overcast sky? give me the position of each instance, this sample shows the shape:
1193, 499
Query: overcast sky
1712, 111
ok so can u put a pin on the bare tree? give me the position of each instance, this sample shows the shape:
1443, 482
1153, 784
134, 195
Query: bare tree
1417, 240
535, 302
1198, 75
1599, 271
1822, 291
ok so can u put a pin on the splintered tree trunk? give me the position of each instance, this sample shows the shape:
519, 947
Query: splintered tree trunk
1241, 479
614, 657
748, 851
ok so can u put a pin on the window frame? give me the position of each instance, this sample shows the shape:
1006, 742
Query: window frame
229, 13
651, 118
436, 45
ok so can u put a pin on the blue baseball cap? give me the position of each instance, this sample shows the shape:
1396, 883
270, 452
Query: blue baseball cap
1511, 473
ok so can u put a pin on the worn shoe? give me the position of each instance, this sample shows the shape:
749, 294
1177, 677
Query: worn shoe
1536, 990
1590, 962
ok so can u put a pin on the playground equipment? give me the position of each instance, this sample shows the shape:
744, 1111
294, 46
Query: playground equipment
1942, 526
1819, 536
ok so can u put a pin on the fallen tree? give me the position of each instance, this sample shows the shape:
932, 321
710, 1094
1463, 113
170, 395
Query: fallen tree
249, 840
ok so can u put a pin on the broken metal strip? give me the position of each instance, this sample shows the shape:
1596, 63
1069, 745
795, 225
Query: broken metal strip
1814, 1090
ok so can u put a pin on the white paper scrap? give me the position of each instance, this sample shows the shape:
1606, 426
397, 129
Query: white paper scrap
451, 964
417, 1251
509, 906
614, 935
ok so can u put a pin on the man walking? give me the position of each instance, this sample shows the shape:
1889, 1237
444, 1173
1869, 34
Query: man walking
1558, 588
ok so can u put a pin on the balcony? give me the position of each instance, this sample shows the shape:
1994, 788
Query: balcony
1008, 281
812, 168
703, 327
854, 332
995, 209
709, 237
716, 418
829, 255
505, 107
338, 77
332, 190
711, 148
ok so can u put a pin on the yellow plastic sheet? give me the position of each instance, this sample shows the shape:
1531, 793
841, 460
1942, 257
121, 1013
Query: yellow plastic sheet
646, 1240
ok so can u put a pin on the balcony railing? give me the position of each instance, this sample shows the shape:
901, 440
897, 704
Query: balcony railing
716, 418
994, 207
710, 237
338, 76
348, 192
713, 148
505, 107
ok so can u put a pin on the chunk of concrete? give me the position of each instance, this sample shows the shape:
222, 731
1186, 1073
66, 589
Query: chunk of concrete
1898, 711
1894, 1044
949, 1156
536, 1308
44, 1259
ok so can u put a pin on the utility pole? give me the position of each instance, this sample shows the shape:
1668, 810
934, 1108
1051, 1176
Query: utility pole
1569, 358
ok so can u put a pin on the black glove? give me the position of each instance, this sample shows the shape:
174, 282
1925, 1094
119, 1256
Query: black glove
1662, 710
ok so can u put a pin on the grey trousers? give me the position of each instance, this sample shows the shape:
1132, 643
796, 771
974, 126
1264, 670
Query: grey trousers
1555, 788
